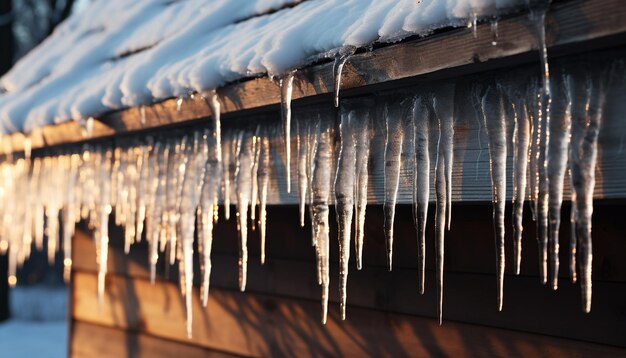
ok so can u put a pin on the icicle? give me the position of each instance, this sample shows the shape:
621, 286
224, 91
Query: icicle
538, 14
587, 105
573, 238
142, 115
362, 126
303, 180
344, 199
538, 11
320, 195
556, 161
263, 180
208, 211
421, 180
226, 154
394, 138
243, 187
313, 132
176, 173
68, 215
494, 31
341, 58
30, 194
192, 168
104, 184
52, 208
495, 122
159, 165
540, 186
39, 209
521, 145
440, 218
473, 24
256, 154
179, 103
142, 188
86, 125
216, 108
286, 90
443, 105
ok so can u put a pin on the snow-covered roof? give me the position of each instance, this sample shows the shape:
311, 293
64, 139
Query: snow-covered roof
119, 53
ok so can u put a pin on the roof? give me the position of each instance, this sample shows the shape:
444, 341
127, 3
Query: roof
117, 54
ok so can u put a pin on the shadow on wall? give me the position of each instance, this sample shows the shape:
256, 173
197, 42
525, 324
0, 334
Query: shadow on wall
280, 313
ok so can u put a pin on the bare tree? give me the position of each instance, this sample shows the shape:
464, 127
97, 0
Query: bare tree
7, 41
23, 25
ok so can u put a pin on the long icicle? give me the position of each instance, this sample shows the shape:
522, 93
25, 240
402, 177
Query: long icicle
538, 10
263, 180
495, 123
226, 160
104, 177
443, 105
394, 139
443, 108
588, 102
254, 194
286, 90
243, 184
558, 146
440, 217
320, 192
541, 190
187, 214
313, 133
303, 180
344, 198
156, 224
362, 124
521, 147
421, 181
208, 213
68, 216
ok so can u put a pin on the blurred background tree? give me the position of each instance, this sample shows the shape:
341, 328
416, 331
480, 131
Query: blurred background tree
23, 25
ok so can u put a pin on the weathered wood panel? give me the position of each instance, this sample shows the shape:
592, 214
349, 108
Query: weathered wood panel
469, 243
469, 278
572, 25
262, 325
90, 340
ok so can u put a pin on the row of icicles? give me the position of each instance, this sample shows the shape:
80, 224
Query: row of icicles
160, 187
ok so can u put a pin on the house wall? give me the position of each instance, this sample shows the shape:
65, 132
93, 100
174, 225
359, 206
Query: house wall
279, 315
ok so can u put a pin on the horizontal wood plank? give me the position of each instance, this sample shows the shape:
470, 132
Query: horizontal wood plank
263, 325
469, 243
469, 277
90, 340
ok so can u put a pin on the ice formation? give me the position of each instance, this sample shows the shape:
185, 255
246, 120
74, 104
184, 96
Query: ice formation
167, 188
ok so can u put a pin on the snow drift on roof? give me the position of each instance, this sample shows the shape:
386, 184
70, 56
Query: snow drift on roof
119, 54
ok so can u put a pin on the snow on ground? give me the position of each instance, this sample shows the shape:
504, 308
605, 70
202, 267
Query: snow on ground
41, 339
38, 326
118, 54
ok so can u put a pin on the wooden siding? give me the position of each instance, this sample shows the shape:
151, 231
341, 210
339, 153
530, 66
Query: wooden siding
279, 315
